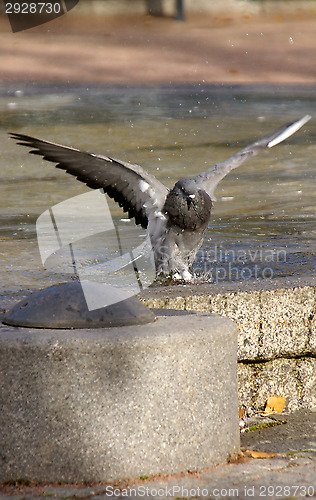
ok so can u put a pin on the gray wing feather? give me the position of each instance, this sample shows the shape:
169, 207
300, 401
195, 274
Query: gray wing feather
209, 179
137, 192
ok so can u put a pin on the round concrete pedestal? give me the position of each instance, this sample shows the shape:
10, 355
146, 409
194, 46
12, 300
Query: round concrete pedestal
98, 405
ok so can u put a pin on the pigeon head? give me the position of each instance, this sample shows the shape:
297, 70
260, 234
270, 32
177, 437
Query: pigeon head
187, 206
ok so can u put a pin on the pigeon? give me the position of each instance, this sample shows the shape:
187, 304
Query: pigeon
176, 219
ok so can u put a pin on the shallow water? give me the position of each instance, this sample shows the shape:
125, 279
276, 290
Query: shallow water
264, 221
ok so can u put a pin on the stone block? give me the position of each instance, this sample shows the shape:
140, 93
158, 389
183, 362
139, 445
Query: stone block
285, 320
244, 308
198, 303
294, 379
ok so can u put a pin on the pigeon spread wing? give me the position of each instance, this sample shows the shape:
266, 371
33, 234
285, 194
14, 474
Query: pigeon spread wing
137, 192
209, 179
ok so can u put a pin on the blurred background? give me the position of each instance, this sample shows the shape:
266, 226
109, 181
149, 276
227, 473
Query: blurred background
117, 41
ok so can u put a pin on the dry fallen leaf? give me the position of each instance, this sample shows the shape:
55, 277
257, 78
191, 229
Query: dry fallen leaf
242, 412
259, 454
275, 404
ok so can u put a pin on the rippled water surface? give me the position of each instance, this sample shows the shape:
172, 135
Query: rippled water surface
264, 222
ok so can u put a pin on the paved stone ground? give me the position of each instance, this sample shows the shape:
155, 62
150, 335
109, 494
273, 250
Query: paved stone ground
290, 473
